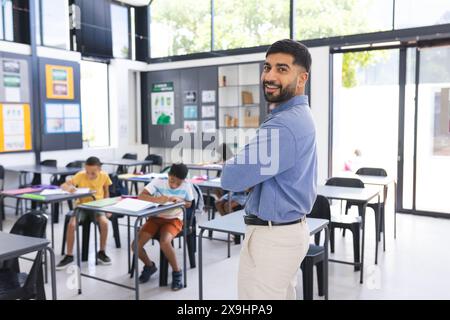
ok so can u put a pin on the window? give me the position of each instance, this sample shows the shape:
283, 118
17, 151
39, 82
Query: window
409, 14
180, 27
6, 20
94, 103
120, 31
55, 23
243, 24
329, 18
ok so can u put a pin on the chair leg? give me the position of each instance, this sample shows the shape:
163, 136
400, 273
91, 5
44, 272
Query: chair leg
163, 269
116, 233
332, 239
85, 242
356, 245
308, 281
64, 239
317, 239
320, 286
191, 249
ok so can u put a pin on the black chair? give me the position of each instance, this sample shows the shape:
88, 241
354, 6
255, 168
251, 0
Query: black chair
86, 232
316, 253
347, 222
191, 242
378, 172
13, 283
157, 160
129, 156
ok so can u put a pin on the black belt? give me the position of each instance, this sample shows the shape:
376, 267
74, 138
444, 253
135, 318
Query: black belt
255, 221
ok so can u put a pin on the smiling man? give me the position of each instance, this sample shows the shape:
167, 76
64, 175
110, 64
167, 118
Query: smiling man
277, 236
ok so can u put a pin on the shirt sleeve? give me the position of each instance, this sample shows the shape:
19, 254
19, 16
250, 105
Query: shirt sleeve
108, 181
268, 154
76, 179
152, 187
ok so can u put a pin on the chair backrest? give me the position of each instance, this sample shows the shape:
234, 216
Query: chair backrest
49, 163
75, 164
321, 208
156, 159
32, 224
372, 172
166, 169
117, 188
2, 178
345, 182
130, 156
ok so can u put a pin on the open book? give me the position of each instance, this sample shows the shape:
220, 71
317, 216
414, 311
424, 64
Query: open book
134, 205
50, 192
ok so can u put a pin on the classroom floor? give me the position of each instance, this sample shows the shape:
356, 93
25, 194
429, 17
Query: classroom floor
414, 266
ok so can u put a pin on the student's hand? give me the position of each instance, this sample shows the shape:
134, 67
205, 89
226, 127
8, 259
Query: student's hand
108, 215
175, 199
69, 188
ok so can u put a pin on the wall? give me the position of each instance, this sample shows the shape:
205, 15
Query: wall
319, 96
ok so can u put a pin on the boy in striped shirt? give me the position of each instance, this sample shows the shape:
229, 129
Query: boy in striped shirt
167, 224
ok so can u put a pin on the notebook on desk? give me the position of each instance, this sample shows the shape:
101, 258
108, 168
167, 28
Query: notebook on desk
134, 205
21, 191
102, 202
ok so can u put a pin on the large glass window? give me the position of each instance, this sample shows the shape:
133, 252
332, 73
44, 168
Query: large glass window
120, 31
409, 14
6, 20
94, 103
327, 18
250, 23
180, 27
55, 23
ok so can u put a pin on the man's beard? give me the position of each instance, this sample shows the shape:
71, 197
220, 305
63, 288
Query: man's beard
286, 93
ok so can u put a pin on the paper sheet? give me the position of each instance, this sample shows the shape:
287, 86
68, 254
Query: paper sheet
134, 205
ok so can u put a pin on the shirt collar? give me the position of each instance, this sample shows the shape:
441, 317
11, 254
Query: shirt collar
297, 100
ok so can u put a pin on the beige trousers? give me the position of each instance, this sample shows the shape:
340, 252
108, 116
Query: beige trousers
270, 260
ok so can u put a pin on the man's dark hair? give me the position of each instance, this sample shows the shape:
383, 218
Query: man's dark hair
299, 51
179, 170
93, 161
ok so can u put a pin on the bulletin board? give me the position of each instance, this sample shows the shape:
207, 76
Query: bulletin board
59, 82
15, 127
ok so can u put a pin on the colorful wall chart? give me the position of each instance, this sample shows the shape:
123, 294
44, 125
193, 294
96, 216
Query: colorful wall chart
14, 80
163, 103
15, 127
62, 118
59, 82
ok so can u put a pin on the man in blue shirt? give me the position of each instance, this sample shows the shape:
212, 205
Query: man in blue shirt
279, 166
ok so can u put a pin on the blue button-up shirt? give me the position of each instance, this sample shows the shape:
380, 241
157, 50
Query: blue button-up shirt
283, 177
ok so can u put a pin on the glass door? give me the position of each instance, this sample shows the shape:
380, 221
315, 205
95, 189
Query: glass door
426, 154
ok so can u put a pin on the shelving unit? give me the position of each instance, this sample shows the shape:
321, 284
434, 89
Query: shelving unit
239, 102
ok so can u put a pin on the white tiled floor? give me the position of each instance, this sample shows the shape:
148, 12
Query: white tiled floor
415, 266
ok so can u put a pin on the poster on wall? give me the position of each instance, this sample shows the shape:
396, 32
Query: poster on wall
209, 126
15, 127
208, 111
190, 126
59, 82
190, 97
163, 104
209, 96
62, 118
14, 80
190, 112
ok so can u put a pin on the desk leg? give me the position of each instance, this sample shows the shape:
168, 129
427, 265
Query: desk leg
325, 263
129, 245
52, 212
200, 264
77, 233
395, 210
229, 245
377, 230
95, 238
136, 258
52, 271
184, 246
363, 218
2, 211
